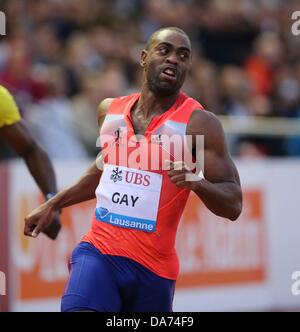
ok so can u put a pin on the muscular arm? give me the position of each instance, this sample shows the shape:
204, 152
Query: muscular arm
82, 190
37, 161
220, 191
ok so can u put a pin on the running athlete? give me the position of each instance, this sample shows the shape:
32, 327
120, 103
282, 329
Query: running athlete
15, 133
127, 261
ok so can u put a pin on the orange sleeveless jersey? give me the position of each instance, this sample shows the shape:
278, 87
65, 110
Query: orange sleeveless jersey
155, 247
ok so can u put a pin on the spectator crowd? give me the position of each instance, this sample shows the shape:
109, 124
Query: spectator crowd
60, 58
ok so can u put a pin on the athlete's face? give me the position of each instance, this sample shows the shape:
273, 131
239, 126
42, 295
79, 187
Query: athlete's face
166, 62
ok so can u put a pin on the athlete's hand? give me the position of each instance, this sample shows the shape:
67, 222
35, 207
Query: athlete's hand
39, 219
181, 175
54, 228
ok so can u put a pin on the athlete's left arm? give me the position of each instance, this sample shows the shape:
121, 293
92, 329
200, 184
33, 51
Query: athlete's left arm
220, 190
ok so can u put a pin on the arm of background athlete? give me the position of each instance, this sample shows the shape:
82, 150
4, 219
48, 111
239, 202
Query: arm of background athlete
38, 163
81, 191
220, 191
37, 160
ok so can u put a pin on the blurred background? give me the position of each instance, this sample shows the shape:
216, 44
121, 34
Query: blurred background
60, 58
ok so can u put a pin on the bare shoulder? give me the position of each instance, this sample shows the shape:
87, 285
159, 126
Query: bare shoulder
204, 123
104, 105
102, 109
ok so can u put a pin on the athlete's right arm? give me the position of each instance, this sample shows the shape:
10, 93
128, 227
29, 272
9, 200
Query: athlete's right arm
81, 191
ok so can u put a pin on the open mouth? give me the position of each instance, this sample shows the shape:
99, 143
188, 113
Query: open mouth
171, 72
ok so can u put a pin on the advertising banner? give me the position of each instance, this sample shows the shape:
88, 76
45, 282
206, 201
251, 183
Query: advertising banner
224, 265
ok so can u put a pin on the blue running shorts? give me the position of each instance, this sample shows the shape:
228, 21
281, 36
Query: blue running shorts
108, 283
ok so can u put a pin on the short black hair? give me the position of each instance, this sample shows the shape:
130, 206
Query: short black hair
154, 34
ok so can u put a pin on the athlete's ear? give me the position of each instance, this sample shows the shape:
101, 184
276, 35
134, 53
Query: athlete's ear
144, 55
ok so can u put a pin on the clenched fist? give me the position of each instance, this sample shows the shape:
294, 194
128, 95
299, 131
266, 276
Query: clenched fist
40, 220
182, 176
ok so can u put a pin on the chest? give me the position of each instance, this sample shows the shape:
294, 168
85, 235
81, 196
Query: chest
140, 124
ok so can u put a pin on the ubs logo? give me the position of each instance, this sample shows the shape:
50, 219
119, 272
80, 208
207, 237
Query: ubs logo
116, 175
137, 178
130, 177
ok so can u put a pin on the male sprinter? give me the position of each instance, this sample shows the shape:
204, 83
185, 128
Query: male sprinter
127, 261
14, 132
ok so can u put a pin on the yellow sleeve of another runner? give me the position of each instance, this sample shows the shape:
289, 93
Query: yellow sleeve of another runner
9, 111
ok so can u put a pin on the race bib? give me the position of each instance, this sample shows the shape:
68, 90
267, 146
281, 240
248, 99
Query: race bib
128, 198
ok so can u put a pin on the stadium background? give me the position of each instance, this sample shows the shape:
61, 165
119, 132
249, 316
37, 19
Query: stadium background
59, 58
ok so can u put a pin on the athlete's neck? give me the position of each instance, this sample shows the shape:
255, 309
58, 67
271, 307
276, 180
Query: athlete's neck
150, 104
